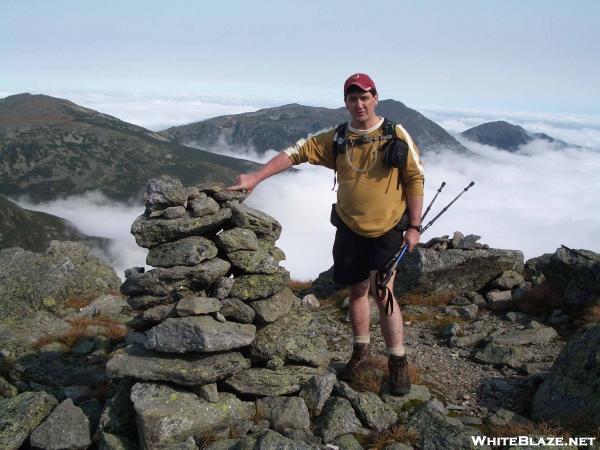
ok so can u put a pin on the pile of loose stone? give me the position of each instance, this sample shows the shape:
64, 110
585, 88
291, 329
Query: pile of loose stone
223, 348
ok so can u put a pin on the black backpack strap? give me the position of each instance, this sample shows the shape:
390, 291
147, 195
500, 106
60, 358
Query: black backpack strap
339, 146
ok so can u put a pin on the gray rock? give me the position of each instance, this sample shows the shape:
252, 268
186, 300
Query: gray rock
310, 302
226, 444
184, 252
506, 417
274, 307
284, 412
470, 340
476, 298
198, 334
265, 226
110, 441
317, 391
338, 418
6, 389
164, 192
113, 307
225, 195
193, 306
512, 356
369, 408
570, 395
249, 262
428, 271
575, 275
508, 280
20, 415
498, 296
186, 370
237, 239
265, 382
159, 313
451, 330
209, 392
439, 432
152, 232
237, 311
203, 205
469, 241
118, 415
254, 287
35, 287
460, 301
67, 427
221, 288
162, 281
140, 302
271, 249
294, 338
167, 416
517, 317
457, 238
539, 334
418, 394
271, 440
347, 442
468, 312
173, 212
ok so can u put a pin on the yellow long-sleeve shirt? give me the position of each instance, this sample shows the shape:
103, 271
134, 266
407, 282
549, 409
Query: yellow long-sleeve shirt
368, 201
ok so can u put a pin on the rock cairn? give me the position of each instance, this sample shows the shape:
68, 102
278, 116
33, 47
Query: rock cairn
217, 323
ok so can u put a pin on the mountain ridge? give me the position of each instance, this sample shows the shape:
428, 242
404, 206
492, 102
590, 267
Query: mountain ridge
281, 126
52, 148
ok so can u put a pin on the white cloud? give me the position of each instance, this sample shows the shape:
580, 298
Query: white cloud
95, 215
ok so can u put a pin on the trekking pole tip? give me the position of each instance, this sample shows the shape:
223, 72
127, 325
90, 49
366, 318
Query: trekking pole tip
471, 183
443, 183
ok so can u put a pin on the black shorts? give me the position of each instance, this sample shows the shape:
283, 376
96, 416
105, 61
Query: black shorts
354, 256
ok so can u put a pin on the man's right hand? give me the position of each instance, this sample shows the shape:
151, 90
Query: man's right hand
244, 182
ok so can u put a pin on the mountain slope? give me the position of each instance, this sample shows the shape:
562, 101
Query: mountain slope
33, 230
51, 147
278, 128
506, 136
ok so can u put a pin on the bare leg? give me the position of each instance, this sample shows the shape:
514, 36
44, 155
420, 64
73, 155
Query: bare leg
391, 326
360, 313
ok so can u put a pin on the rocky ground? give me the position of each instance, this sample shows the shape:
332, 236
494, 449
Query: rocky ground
216, 349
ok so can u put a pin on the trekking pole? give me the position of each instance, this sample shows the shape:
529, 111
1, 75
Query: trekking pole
394, 260
430, 204
446, 207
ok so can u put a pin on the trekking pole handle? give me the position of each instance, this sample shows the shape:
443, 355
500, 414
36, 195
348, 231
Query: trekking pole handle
433, 200
391, 265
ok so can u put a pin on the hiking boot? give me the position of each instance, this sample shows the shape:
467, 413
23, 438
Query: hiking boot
360, 352
398, 375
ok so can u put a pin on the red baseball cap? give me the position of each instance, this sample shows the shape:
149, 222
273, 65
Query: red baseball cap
362, 80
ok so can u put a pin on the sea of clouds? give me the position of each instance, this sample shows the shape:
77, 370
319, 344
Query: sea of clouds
533, 200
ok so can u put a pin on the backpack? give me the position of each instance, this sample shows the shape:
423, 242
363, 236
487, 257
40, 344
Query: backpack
395, 150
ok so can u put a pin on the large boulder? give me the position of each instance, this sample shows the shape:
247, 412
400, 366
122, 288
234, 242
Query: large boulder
253, 287
294, 338
263, 225
168, 416
199, 334
162, 281
149, 232
20, 415
570, 395
576, 274
185, 252
67, 427
263, 382
186, 370
427, 271
35, 288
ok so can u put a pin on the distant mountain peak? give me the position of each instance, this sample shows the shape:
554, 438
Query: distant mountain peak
506, 136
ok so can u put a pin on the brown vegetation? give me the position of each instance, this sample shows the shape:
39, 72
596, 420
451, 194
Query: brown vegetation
395, 433
532, 429
83, 327
299, 285
591, 315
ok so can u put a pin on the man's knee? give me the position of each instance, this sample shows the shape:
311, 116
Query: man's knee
359, 289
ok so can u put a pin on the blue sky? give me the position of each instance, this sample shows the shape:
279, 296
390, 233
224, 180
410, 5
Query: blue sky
504, 55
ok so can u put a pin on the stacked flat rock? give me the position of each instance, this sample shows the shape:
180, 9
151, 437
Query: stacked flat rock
217, 321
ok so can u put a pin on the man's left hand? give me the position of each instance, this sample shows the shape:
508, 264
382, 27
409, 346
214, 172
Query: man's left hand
411, 237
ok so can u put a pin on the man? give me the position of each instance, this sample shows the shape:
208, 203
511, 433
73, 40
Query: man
370, 203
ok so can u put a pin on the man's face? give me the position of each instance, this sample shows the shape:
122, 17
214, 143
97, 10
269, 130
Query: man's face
361, 106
